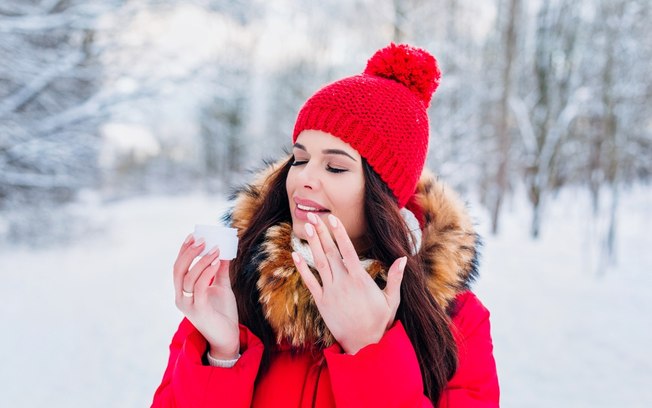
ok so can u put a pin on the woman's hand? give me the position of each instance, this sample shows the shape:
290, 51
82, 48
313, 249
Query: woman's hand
210, 307
352, 305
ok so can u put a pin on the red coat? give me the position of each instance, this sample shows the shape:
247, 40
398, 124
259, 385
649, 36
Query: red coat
380, 375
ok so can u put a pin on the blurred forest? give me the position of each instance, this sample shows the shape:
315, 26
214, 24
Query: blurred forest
101, 100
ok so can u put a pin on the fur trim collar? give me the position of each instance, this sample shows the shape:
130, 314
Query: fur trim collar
448, 248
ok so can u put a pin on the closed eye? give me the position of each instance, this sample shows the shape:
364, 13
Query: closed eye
299, 162
335, 170
329, 168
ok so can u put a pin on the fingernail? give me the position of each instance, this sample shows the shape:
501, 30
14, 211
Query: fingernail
402, 263
198, 242
312, 218
296, 257
215, 261
188, 238
332, 220
212, 251
310, 230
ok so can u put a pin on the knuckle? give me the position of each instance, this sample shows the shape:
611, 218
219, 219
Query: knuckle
179, 272
205, 261
349, 253
359, 280
333, 251
321, 264
198, 267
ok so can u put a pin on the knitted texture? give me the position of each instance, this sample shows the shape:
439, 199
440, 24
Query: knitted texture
381, 113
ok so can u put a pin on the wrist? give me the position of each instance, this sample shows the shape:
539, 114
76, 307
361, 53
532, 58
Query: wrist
218, 353
356, 345
222, 363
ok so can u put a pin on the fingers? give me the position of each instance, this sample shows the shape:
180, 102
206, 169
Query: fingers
222, 275
346, 249
308, 278
315, 241
207, 274
330, 250
189, 251
186, 243
193, 274
394, 278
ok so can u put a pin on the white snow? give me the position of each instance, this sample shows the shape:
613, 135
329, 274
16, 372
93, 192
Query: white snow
89, 324
566, 335
122, 139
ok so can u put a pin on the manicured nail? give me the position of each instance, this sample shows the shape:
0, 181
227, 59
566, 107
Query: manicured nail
332, 220
312, 218
402, 263
188, 238
212, 251
198, 242
296, 257
310, 230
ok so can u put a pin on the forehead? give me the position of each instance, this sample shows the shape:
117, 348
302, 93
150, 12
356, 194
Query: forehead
317, 140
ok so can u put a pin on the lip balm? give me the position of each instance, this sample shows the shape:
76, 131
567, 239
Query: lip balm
226, 239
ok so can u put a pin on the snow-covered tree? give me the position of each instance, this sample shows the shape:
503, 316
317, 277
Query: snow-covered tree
179, 94
553, 106
50, 101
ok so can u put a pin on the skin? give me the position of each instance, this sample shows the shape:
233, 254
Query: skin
355, 310
329, 172
212, 309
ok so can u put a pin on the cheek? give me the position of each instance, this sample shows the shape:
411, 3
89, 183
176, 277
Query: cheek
288, 182
353, 216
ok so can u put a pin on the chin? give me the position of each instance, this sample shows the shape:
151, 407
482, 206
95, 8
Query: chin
297, 228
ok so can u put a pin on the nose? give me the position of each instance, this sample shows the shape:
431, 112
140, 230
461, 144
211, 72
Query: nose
309, 176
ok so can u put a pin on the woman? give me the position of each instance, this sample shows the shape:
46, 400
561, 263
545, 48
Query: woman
351, 284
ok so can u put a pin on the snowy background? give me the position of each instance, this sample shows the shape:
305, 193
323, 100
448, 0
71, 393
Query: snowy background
89, 324
123, 123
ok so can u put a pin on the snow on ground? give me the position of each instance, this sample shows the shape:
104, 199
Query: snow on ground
564, 334
88, 325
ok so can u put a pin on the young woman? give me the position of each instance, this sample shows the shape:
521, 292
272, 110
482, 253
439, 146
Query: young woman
351, 284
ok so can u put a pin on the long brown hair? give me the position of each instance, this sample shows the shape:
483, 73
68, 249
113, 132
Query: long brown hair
274, 209
424, 320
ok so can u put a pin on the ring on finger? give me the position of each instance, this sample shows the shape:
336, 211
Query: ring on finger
187, 294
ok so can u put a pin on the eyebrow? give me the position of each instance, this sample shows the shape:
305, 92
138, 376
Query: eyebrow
326, 151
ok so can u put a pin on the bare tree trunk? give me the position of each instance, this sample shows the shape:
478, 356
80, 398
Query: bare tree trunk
503, 131
611, 10
554, 67
535, 200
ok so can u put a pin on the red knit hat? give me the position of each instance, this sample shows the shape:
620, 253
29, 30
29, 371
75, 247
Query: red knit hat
381, 113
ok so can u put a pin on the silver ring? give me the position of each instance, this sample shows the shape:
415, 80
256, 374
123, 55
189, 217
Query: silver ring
186, 294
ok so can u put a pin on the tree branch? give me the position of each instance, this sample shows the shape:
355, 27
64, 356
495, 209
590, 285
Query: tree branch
29, 91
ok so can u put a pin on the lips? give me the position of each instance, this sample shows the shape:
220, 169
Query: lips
307, 206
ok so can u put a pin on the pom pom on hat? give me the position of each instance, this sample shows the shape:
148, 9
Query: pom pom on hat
412, 67
381, 113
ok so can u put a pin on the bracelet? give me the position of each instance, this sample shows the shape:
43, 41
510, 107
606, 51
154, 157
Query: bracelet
214, 362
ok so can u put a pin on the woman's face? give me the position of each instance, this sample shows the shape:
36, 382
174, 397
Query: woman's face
326, 178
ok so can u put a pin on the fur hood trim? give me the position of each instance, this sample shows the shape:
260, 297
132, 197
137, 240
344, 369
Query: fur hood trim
449, 241
448, 249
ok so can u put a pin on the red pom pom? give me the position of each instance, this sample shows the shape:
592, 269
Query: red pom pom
411, 66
